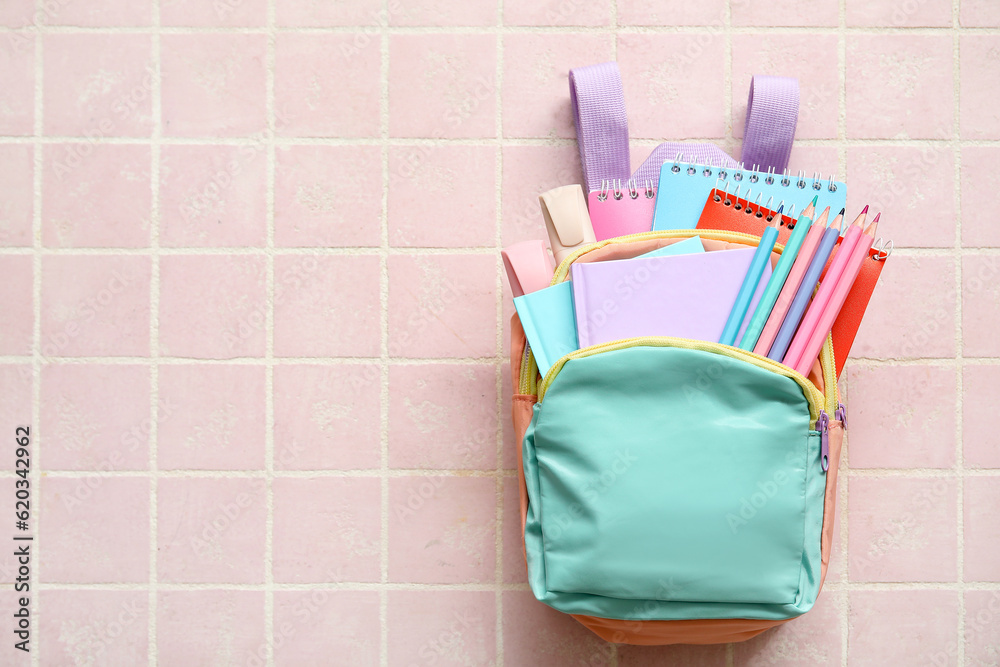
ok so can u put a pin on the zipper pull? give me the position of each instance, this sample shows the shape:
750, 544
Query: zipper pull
823, 426
841, 414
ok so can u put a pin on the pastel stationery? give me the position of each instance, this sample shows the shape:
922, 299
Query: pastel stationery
805, 291
831, 277
777, 281
566, 220
687, 246
838, 295
549, 326
620, 208
687, 296
529, 266
761, 257
684, 188
726, 212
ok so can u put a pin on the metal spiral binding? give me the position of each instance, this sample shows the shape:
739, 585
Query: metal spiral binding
785, 179
617, 190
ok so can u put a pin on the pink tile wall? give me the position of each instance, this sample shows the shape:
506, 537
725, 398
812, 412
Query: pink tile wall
254, 315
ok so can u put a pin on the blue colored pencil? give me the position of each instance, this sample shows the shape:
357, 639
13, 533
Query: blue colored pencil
750, 282
805, 291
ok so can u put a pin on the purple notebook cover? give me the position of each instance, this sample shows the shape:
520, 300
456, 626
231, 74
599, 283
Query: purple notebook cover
685, 296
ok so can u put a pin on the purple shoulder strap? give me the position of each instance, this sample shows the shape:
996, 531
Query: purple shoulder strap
602, 128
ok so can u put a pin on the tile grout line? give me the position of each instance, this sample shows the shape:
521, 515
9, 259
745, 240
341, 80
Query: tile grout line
36, 356
498, 238
383, 254
154, 331
269, 283
956, 136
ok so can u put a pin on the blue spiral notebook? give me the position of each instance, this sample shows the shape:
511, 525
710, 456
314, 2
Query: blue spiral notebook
684, 188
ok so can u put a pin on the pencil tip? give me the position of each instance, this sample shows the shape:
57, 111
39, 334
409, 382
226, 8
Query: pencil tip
877, 216
864, 211
815, 200
842, 211
780, 209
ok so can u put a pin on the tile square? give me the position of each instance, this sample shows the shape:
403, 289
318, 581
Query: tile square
96, 195
813, 640
442, 529
536, 69
980, 305
448, 628
76, 553
529, 171
980, 67
899, 326
535, 634
17, 295
901, 86
211, 530
442, 196
95, 306
902, 416
224, 626
892, 14
10, 599
311, 626
663, 73
911, 184
326, 306
16, 400
17, 83
670, 13
440, 13
213, 84
901, 627
216, 421
902, 530
812, 159
315, 97
212, 306
979, 385
442, 85
781, 53
982, 632
979, 14
654, 656
328, 196
213, 196
442, 305
17, 13
17, 169
982, 534
443, 416
327, 529
556, 13
784, 13
96, 417
98, 85
95, 627
313, 14
107, 13
980, 179
327, 417
221, 14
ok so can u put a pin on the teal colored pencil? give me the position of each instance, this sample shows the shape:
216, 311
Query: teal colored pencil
778, 276
750, 282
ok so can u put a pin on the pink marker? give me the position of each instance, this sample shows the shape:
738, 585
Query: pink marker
792, 282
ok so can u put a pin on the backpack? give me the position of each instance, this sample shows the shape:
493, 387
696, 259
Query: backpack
673, 490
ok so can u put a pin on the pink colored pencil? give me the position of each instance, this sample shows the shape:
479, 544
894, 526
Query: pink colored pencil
825, 291
843, 287
792, 282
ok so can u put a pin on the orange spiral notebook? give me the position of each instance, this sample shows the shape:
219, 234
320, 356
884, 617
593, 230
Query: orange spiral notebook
724, 212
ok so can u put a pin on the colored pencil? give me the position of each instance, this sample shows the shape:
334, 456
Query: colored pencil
801, 300
750, 282
822, 299
791, 286
778, 276
837, 299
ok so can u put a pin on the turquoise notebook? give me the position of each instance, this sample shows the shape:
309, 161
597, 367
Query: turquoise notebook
548, 318
684, 189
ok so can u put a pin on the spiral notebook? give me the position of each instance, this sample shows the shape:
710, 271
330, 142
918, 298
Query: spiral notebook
618, 208
725, 212
684, 188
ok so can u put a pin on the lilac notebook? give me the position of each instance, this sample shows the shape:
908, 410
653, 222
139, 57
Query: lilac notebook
686, 296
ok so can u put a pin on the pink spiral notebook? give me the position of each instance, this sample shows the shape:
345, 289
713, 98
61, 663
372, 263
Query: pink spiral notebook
686, 296
621, 209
